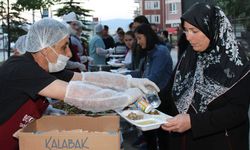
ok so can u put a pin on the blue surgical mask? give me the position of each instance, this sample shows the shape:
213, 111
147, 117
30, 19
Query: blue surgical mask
60, 64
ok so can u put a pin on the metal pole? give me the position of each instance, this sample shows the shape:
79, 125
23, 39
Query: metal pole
8, 26
164, 16
33, 16
2, 50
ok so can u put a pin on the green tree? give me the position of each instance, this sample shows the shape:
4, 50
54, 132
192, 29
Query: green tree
35, 4
238, 11
15, 21
82, 14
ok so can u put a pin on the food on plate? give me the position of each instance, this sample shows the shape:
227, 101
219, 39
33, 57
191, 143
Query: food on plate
154, 112
134, 116
147, 122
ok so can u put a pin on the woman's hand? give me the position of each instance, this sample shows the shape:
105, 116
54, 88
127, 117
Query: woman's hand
179, 123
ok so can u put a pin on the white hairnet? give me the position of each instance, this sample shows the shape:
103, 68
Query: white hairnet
20, 44
69, 17
80, 23
25, 27
98, 28
70, 29
45, 33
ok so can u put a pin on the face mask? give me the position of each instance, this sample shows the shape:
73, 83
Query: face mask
60, 62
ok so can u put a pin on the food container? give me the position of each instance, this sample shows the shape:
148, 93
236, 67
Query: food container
153, 99
94, 68
143, 105
146, 121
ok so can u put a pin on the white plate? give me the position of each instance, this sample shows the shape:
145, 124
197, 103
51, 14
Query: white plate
114, 64
149, 122
121, 71
113, 55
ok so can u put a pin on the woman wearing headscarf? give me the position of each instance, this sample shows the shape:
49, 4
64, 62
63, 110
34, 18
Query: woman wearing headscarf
28, 79
211, 87
157, 67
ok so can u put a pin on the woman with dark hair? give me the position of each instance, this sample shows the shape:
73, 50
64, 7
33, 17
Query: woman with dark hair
140, 20
157, 67
211, 87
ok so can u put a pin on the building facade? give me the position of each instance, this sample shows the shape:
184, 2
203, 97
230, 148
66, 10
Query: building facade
173, 13
164, 13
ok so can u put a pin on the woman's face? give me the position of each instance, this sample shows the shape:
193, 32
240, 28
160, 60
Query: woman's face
129, 40
198, 40
141, 40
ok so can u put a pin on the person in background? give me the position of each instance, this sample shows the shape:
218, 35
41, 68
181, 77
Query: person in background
137, 53
209, 91
80, 36
75, 44
120, 47
19, 48
131, 27
129, 40
84, 56
164, 35
121, 35
97, 47
116, 36
107, 39
140, 20
155, 28
39, 73
161, 39
157, 67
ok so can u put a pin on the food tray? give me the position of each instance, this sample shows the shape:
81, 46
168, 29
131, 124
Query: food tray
149, 122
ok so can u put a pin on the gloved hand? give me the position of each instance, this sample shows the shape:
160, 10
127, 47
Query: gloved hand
111, 50
81, 67
101, 51
134, 94
144, 84
93, 98
90, 59
84, 59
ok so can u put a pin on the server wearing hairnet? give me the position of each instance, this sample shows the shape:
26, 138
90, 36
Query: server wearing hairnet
19, 47
27, 79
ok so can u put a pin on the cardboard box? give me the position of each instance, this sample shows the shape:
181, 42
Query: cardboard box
71, 133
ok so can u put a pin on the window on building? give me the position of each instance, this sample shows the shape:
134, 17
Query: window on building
152, 5
173, 8
154, 19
